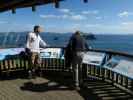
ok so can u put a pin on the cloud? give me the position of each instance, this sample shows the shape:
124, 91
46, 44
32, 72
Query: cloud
125, 14
64, 10
54, 16
65, 16
125, 27
92, 25
94, 12
78, 17
49, 16
127, 24
3, 22
99, 18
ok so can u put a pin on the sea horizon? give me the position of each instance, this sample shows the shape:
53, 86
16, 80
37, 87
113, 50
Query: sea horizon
116, 42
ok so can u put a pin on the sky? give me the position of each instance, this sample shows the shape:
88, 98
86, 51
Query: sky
96, 16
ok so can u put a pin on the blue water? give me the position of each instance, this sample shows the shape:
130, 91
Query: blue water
122, 43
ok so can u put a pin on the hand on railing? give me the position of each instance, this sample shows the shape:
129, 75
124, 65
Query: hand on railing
47, 46
90, 47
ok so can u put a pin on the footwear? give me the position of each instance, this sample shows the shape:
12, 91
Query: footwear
83, 86
40, 74
77, 88
33, 73
30, 74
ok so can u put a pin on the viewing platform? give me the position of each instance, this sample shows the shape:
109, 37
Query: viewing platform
106, 74
58, 88
101, 77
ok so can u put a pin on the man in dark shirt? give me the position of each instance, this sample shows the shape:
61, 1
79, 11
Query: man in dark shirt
77, 45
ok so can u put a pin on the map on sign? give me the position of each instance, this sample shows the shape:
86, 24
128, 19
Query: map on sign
112, 63
123, 67
52, 53
93, 58
10, 51
45, 53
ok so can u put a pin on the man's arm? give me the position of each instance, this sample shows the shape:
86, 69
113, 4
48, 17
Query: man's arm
27, 40
43, 43
87, 46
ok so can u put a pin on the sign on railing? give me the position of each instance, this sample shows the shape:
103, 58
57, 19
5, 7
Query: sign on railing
52, 53
93, 58
123, 67
45, 53
10, 51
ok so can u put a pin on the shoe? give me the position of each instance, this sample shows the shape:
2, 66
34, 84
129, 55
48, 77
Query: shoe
40, 74
30, 74
77, 88
83, 86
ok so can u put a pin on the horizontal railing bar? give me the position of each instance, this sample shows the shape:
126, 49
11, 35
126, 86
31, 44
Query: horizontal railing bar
107, 51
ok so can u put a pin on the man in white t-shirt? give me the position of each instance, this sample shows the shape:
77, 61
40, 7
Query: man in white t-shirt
34, 41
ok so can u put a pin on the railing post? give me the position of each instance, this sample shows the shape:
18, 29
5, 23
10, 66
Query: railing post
84, 71
0, 70
112, 75
103, 73
126, 82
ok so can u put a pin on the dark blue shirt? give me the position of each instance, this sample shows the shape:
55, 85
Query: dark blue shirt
78, 43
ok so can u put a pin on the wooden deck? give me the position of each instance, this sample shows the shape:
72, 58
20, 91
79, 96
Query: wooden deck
57, 88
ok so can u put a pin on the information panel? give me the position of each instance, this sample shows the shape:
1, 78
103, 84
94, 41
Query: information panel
124, 67
93, 58
10, 51
45, 53
52, 53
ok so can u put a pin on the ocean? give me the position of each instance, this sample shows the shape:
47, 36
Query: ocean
123, 43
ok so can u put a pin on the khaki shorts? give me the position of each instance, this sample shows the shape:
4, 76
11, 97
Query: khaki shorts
35, 59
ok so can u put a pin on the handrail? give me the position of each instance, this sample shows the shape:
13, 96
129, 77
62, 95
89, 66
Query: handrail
112, 52
53, 64
107, 51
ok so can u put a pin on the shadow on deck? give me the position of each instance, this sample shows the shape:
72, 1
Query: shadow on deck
55, 86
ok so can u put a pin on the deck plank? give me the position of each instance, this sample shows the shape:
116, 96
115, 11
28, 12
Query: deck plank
11, 90
45, 88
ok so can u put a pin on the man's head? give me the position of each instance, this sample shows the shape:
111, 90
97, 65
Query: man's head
77, 33
38, 29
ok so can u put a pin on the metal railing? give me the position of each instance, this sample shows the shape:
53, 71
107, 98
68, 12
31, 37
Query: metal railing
89, 71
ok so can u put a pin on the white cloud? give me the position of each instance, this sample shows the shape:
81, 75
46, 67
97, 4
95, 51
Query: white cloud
71, 17
90, 12
64, 10
127, 24
98, 17
49, 16
125, 14
78, 17
3, 22
125, 27
54, 16
92, 25
75, 27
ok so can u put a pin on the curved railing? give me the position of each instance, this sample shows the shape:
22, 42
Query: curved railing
90, 71
105, 73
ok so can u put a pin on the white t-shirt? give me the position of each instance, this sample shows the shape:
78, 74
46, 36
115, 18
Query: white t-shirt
34, 41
